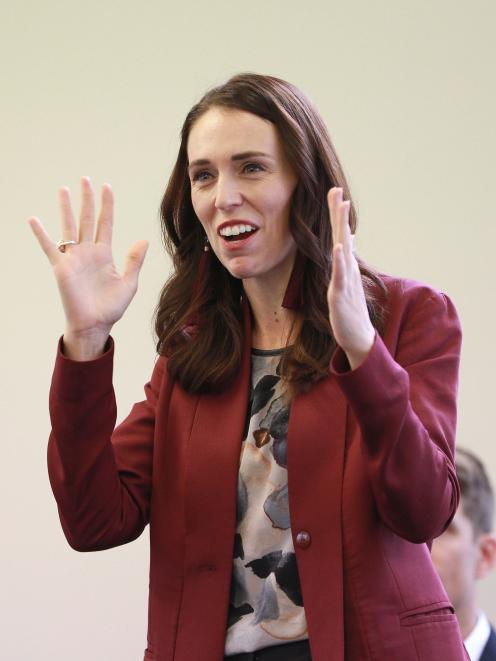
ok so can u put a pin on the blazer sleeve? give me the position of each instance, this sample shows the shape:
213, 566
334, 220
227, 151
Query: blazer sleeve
406, 409
101, 478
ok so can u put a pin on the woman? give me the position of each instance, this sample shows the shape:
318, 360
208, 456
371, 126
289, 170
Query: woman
294, 454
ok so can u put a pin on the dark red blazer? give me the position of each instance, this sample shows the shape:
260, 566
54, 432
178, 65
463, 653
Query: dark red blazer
371, 480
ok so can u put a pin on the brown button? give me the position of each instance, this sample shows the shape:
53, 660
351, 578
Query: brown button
303, 539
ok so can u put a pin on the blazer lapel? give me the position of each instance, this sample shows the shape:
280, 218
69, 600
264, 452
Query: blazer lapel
213, 463
316, 451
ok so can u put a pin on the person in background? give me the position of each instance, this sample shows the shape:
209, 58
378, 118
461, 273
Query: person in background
466, 552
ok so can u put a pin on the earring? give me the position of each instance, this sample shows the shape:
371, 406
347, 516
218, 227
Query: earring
206, 246
293, 298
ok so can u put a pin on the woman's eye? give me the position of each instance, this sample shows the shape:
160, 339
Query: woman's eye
201, 176
253, 167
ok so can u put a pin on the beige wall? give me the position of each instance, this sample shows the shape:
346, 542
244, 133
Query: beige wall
101, 88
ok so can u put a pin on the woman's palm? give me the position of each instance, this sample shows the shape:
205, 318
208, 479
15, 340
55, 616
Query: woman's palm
94, 294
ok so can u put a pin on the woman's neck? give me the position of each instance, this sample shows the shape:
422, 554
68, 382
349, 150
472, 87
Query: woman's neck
273, 327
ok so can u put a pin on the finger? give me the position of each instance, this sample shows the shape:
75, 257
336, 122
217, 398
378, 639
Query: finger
334, 197
134, 262
46, 243
106, 217
69, 230
87, 216
339, 211
344, 227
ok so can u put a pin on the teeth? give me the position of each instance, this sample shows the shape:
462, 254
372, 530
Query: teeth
231, 230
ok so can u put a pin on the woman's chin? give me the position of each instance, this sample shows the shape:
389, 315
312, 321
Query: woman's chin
240, 274
240, 270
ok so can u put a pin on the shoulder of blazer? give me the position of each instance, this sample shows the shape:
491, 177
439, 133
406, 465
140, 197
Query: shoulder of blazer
409, 289
406, 298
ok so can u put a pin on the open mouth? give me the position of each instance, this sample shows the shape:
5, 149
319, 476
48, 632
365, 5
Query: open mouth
232, 233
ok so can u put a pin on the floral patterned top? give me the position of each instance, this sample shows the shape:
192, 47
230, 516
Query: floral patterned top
266, 606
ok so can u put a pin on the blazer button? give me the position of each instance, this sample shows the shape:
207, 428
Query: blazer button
303, 539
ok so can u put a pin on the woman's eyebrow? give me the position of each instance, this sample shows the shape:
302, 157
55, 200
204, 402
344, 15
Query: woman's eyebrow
250, 154
236, 157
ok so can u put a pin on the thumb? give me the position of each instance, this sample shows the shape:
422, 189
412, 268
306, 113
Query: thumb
134, 262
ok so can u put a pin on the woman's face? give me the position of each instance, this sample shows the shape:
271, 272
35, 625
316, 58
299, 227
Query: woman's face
241, 189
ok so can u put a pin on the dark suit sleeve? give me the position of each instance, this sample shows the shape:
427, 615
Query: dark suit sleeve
406, 408
489, 651
101, 479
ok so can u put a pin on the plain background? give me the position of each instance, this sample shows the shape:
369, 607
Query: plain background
101, 89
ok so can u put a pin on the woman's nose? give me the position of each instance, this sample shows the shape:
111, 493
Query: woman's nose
227, 193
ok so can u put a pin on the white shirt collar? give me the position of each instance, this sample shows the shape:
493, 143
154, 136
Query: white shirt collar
478, 637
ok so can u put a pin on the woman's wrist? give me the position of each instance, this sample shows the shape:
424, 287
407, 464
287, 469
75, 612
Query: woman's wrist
358, 355
84, 346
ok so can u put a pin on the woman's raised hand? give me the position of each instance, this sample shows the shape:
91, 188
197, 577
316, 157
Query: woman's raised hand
348, 312
94, 294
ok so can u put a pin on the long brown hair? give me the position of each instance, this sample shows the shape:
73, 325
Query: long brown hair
199, 314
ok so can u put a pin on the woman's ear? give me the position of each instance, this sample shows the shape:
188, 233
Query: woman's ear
486, 560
